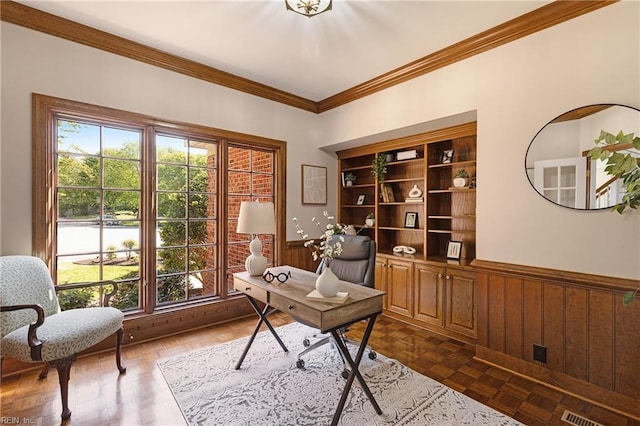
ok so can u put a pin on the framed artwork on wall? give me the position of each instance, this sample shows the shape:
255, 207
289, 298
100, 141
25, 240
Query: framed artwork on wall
314, 184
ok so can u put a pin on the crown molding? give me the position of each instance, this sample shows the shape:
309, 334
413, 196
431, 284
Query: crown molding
542, 18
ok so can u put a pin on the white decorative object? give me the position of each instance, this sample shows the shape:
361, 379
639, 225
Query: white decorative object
370, 222
398, 249
459, 182
350, 230
256, 218
406, 155
409, 250
415, 192
327, 283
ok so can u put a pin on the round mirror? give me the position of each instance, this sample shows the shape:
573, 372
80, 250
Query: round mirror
557, 164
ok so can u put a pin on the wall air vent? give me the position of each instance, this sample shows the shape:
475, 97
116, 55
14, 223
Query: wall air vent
576, 420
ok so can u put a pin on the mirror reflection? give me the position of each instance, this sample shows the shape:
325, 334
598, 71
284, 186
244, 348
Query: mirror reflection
557, 164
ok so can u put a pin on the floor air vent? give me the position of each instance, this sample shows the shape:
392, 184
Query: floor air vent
576, 420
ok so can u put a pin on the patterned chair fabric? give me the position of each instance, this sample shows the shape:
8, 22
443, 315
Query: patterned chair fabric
25, 280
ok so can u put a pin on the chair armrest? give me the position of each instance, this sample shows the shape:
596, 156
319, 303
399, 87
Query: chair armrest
32, 338
107, 296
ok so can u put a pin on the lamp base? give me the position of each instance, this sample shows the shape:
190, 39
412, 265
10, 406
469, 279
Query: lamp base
256, 263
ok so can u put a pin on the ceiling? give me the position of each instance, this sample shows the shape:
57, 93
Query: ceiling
313, 58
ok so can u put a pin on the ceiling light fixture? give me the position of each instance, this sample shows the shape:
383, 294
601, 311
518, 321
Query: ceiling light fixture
308, 8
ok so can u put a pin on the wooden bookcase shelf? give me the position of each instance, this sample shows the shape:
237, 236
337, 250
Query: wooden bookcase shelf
444, 214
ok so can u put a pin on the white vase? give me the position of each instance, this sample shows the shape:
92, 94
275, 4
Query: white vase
459, 182
327, 283
370, 222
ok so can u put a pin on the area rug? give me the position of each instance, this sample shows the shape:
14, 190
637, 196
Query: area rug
270, 390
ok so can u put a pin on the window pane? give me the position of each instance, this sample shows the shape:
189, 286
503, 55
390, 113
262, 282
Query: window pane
170, 260
121, 143
202, 205
171, 288
171, 205
172, 177
239, 159
171, 150
172, 233
239, 183
202, 153
122, 203
127, 297
262, 162
202, 231
78, 170
262, 184
202, 180
78, 137
202, 257
121, 174
78, 204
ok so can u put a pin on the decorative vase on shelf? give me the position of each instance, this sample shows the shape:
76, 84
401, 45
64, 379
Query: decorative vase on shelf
459, 182
327, 283
370, 222
415, 192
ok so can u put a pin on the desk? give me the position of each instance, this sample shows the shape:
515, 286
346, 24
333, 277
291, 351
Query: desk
290, 297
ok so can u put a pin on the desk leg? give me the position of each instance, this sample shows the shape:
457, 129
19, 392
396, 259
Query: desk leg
263, 319
355, 373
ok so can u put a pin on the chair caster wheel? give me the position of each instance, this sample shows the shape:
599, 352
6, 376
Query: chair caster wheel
300, 364
306, 343
345, 374
373, 355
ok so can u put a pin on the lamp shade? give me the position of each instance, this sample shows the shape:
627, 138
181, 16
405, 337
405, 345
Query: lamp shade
256, 218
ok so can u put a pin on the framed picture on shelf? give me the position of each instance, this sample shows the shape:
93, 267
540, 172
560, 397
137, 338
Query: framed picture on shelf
447, 156
454, 250
411, 220
314, 184
360, 200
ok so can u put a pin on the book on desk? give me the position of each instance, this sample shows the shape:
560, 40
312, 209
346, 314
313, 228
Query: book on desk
340, 297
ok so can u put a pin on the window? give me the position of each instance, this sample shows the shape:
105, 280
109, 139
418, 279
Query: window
152, 205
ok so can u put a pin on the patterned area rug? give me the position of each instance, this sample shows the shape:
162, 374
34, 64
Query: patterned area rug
270, 390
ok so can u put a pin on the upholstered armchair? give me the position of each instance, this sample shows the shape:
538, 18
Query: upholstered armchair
34, 329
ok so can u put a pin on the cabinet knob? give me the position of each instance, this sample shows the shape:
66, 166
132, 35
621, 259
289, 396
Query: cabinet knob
440, 275
448, 277
291, 307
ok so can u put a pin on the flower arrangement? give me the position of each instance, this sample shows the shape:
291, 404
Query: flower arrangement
324, 249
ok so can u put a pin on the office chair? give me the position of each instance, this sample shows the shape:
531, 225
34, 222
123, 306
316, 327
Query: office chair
355, 264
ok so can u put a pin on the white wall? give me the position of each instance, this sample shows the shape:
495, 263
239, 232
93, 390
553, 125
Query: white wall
515, 90
35, 62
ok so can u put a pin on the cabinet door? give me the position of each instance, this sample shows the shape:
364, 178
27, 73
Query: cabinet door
400, 287
429, 294
380, 278
461, 306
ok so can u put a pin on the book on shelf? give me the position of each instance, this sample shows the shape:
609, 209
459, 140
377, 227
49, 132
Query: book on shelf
406, 155
387, 194
414, 200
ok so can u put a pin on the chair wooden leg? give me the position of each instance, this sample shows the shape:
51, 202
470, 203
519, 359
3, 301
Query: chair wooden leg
64, 373
119, 339
44, 372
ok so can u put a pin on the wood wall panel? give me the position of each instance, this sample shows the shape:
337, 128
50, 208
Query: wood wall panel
601, 338
575, 329
553, 320
627, 348
592, 340
497, 309
299, 256
532, 305
513, 320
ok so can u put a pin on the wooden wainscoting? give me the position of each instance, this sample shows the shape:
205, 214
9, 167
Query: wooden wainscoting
592, 341
296, 254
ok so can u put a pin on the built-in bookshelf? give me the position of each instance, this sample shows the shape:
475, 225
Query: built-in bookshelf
426, 162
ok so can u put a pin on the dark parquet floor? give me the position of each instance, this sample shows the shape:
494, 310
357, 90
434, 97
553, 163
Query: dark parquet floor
98, 396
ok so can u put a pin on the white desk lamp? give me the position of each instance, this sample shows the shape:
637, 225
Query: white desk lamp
256, 218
